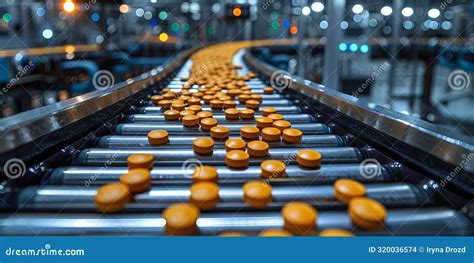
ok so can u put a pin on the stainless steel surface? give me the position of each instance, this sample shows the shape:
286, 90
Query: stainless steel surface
424, 221
182, 156
293, 118
74, 198
25, 127
179, 129
118, 141
429, 138
171, 175
280, 109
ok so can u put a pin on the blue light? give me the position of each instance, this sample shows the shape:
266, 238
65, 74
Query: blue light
286, 24
40, 11
47, 33
153, 22
95, 17
364, 48
343, 47
353, 47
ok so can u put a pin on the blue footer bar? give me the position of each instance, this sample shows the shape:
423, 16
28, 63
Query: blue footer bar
237, 249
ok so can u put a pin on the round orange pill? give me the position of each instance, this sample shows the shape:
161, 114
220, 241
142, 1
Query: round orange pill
220, 132
263, 122
231, 114
273, 169
246, 114
257, 194
268, 90
207, 98
299, 218
275, 116
367, 213
185, 113
282, 125
335, 232
208, 123
194, 101
156, 98
195, 108
235, 144
346, 189
249, 132
205, 173
252, 104
184, 98
231, 234
271, 134
308, 158
190, 120
204, 114
204, 195
171, 115
256, 97
237, 159
258, 148
203, 145
229, 104
112, 197
216, 104
275, 233
158, 137
169, 95
268, 110
164, 104
291, 135
197, 95
243, 98
179, 106
138, 180
140, 160
181, 219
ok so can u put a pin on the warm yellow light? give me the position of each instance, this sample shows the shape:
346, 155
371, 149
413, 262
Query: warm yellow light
69, 49
163, 37
124, 9
237, 11
69, 6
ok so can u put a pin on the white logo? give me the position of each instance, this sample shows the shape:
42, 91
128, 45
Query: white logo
458, 80
370, 168
103, 79
281, 80
189, 166
14, 168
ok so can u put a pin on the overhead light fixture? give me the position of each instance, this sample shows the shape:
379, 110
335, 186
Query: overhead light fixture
386, 10
357, 9
407, 11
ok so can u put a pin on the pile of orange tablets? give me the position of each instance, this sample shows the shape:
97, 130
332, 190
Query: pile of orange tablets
221, 87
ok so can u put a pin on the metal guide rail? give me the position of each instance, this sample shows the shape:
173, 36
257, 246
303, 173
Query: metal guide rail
63, 204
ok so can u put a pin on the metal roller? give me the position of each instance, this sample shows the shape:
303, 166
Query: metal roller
181, 156
179, 129
159, 118
172, 175
118, 141
415, 221
280, 109
73, 198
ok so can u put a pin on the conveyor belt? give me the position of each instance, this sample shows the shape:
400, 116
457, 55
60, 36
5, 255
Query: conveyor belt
64, 203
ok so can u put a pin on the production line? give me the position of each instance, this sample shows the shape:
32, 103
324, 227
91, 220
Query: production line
270, 162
